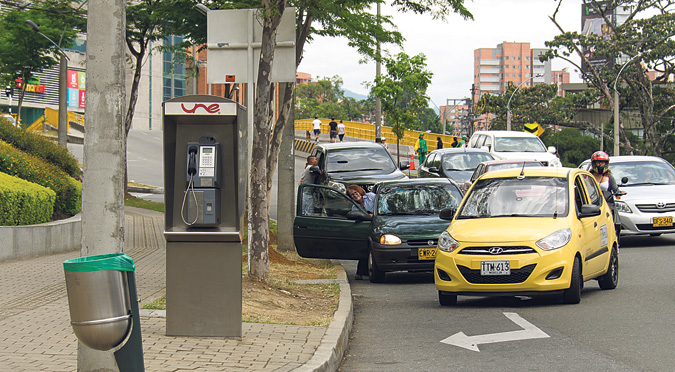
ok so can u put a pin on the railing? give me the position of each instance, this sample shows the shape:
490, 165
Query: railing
366, 131
51, 117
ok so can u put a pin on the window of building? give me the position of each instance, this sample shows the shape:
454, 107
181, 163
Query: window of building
527, 58
519, 58
174, 71
513, 58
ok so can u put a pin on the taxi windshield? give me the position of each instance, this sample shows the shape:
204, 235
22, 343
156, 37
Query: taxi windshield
417, 199
513, 197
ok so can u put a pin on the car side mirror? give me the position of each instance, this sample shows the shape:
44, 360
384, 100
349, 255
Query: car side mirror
404, 164
485, 148
552, 149
447, 214
624, 180
433, 169
359, 216
589, 210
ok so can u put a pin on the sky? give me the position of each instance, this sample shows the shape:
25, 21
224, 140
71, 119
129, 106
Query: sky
449, 45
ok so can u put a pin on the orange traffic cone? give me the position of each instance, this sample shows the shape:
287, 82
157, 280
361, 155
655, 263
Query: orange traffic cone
412, 162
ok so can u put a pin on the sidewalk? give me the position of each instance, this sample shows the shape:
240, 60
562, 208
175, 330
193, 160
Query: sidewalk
35, 332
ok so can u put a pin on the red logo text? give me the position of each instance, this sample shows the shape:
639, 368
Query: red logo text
211, 109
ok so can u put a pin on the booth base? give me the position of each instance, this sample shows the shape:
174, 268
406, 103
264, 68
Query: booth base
203, 289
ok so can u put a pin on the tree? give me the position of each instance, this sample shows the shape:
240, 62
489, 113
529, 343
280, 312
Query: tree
429, 120
639, 44
539, 103
24, 51
402, 91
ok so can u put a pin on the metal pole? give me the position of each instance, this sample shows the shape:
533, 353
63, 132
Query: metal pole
616, 122
508, 105
63, 107
249, 131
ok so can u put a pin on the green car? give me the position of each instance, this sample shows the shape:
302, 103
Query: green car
401, 234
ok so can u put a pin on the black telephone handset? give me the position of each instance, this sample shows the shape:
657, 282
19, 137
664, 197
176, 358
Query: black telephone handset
192, 162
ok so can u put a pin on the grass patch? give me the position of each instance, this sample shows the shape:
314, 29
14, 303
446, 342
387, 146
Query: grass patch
142, 203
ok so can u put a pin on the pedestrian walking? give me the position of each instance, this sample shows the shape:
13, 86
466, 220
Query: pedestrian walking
341, 130
333, 130
421, 148
439, 143
317, 127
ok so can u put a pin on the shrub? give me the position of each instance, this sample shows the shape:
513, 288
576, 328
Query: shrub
41, 147
23, 202
34, 169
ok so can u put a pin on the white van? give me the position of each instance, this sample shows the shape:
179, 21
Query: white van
504, 144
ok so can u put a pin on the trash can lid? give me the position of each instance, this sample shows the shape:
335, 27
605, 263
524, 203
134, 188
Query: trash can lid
112, 261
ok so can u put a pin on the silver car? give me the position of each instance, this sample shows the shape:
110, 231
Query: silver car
649, 204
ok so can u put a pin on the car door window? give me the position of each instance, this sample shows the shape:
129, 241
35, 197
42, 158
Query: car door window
488, 142
318, 201
427, 162
437, 161
579, 196
594, 193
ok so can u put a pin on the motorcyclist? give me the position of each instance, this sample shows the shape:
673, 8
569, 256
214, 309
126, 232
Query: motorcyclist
600, 170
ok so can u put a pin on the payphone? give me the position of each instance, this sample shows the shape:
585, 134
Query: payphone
201, 199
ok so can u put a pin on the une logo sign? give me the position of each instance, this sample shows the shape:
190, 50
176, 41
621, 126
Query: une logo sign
211, 109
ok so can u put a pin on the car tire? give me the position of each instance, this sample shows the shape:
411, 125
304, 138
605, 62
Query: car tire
447, 299
610, 279
374, 273
572, 295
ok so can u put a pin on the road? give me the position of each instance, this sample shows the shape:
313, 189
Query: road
145, 164
399, 325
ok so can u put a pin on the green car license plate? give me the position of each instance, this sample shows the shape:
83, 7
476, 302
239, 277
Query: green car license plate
495, 267
662, 221
426, 253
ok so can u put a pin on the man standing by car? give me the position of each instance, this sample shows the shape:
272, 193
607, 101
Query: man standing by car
308, 178
317, 127
421, 148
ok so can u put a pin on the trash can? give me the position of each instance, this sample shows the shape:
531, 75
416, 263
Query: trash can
99, 300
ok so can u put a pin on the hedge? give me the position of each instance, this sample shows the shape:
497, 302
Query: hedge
34, 169
41, 147
23, 202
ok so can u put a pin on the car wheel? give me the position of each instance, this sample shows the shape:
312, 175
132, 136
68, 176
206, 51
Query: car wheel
572, 295
447, 299
374, 273
611, 278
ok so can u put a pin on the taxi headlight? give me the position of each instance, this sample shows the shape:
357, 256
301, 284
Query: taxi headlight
622, 207
338, 186
556, 240
447, 243
388, 239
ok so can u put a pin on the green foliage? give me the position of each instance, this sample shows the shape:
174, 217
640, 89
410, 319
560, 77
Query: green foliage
34, 169
429, 120
145, 204
23, 202
325, 98
41, 147
573, 146
403, 90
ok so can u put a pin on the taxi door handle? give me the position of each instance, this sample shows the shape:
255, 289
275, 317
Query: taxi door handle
595, 224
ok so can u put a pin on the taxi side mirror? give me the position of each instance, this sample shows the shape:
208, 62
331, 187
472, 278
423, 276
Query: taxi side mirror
589, 210
447, 214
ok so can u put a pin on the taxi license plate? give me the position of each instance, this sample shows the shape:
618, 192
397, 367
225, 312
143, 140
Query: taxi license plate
495, 267
662, 221
426, 253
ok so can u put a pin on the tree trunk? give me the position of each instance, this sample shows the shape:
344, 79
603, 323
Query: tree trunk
258, 257
133, 99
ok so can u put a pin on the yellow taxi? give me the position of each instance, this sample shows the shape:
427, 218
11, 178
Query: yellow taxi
528, 231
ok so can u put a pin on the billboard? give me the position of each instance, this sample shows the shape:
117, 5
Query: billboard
75, 86
593, 24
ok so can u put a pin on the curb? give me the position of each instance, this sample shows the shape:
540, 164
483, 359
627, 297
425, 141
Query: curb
328, 356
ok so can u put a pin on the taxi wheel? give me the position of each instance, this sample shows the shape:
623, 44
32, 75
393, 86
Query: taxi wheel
572, 295
374, 273
611, 278
446, 299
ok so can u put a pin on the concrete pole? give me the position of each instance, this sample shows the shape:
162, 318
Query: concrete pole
378, 103
286, 189
104, 148
63, 107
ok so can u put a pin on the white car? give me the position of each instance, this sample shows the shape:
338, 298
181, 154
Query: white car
504, 144
9, 118
649, 204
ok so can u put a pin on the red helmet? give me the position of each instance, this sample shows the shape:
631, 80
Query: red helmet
599, 156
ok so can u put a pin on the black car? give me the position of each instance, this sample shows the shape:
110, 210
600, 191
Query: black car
456, 164
401, 235
360, 163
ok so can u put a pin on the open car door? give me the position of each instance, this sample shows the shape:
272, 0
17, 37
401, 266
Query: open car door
329, 224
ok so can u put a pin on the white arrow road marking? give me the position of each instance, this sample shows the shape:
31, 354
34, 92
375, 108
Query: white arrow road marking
529, 331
